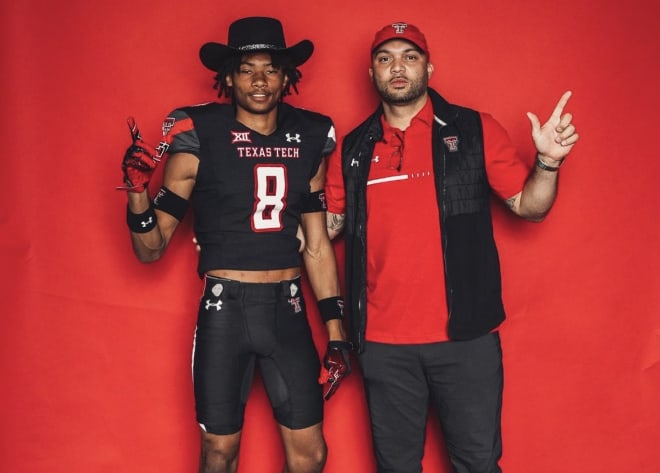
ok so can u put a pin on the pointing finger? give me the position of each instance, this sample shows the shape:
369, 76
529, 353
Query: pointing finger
559, 108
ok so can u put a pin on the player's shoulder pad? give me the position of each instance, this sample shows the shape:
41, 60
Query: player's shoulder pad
180, 127
208, 109
302, 115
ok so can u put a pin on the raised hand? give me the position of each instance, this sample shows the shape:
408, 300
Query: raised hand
140, 160
556, 137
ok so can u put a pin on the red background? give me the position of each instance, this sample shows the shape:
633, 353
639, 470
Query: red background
95, 347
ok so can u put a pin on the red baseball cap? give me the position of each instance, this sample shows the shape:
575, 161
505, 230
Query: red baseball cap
401, 30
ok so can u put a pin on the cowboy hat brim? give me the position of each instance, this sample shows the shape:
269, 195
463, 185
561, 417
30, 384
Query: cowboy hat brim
213, 55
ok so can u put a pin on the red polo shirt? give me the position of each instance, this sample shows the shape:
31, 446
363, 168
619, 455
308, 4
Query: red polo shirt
406, 300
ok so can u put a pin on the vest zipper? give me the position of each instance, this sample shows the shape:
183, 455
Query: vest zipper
445, 241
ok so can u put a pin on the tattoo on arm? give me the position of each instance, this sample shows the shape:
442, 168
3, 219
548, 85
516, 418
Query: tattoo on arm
335, 221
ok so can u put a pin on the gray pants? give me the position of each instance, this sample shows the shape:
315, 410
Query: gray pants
464, 382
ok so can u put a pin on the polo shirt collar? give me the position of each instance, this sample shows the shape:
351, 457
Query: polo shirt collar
425, 116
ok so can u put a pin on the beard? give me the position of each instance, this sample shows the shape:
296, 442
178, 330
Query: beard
416, 89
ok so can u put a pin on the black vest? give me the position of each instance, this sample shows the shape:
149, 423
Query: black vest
471, 262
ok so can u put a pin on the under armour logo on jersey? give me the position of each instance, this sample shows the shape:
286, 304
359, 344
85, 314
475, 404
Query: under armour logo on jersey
290, 138
240, 137
376, 159
399, 28
452, 143
146, 223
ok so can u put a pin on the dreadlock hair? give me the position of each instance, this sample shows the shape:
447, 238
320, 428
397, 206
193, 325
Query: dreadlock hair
233, 63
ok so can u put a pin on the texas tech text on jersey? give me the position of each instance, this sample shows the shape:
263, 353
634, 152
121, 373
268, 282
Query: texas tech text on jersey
282, 152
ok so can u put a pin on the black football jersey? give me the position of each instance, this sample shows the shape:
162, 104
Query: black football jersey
250, 188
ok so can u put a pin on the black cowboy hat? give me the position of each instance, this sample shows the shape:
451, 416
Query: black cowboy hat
251, 35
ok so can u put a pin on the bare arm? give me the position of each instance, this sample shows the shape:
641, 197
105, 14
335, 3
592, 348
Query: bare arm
179, 177
319, 257
537, 197
553, 141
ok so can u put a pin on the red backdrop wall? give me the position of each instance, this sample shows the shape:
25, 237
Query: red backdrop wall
95, 347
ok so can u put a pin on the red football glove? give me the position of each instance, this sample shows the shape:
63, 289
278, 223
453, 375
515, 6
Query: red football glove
140, 160
336, 366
